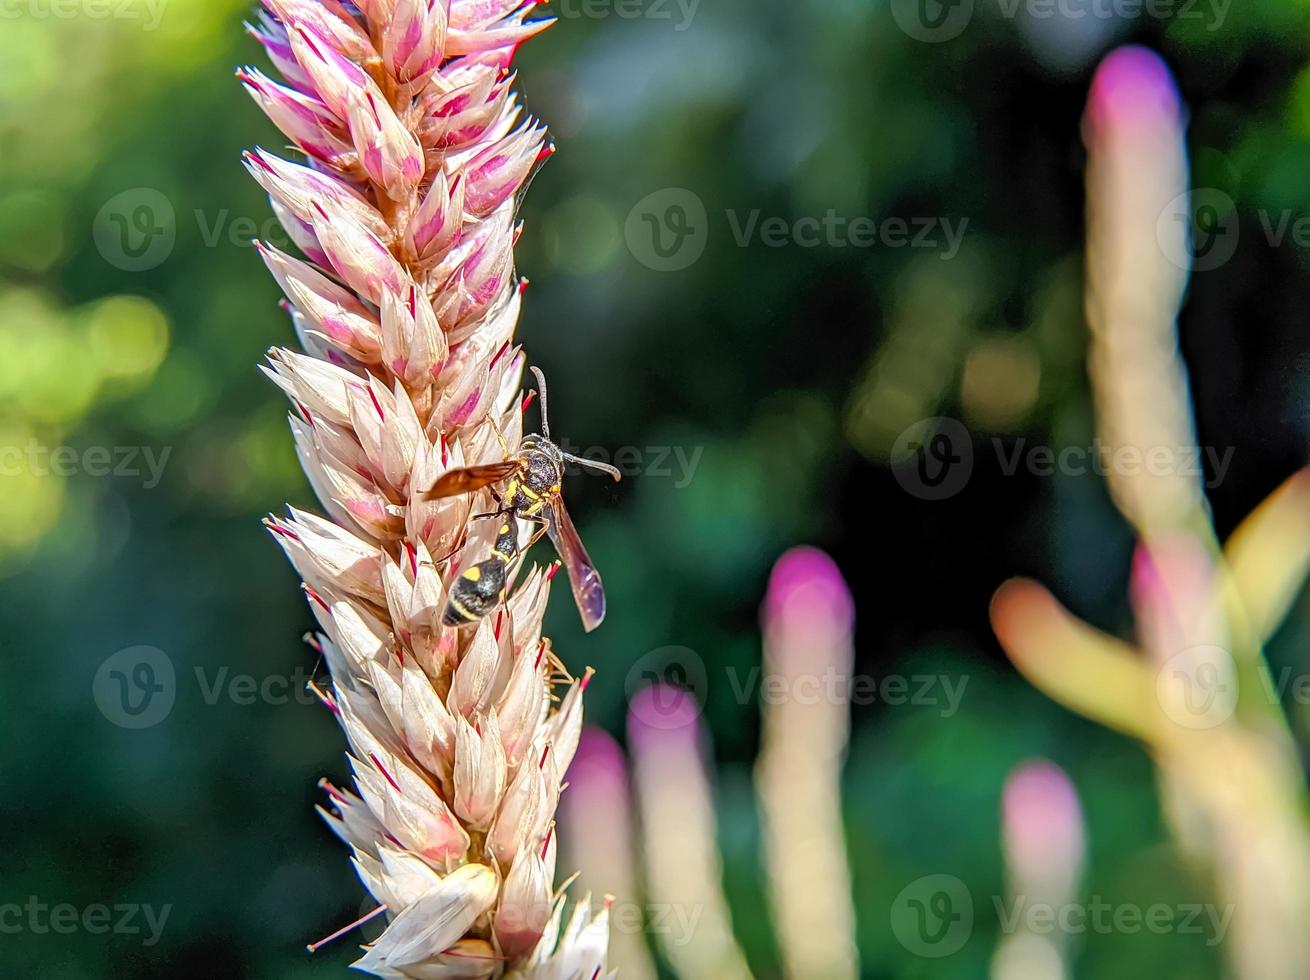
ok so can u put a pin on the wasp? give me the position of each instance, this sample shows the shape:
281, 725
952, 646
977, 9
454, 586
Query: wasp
527, 485
481, 588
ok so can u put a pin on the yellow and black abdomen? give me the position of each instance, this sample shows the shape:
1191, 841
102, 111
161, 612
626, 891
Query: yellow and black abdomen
481, 588
476, 592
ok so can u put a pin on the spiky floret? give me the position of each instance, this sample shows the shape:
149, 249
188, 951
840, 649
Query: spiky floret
410, 151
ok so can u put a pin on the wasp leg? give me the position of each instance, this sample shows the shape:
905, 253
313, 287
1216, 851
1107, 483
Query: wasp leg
536, 537
500, 437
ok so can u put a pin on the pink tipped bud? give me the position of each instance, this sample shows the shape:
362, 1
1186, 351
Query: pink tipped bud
273, 36
526, 813
298, 187
479, 15
329, 22
481, 268
497, 172
302, 118
434, 924
525, 906
480, 771
415, 41
387, 150
335, 78
521, 705
358, 255
436, 223
462, 116
503, 40
413, 343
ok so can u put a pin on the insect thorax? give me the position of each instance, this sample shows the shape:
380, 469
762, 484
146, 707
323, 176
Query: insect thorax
543, 467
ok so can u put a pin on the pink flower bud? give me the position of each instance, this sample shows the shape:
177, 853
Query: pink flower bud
329, 22
336, 79
498, 171
302, 118
480, 771
415, 43
358, 255
389, 152
525, 905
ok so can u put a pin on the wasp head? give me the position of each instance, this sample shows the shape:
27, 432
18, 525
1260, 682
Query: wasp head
543, 464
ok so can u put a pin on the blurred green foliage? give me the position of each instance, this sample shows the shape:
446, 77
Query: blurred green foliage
788, 372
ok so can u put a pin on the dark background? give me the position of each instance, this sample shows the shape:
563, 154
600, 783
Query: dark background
791, 370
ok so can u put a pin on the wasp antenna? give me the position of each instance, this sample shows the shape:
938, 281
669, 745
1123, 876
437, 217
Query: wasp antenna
593, 465
541, 388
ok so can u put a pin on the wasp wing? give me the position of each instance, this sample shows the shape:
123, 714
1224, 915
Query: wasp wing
588, 593
472, 478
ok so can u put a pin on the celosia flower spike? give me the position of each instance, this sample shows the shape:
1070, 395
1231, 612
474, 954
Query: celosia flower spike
405, 302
